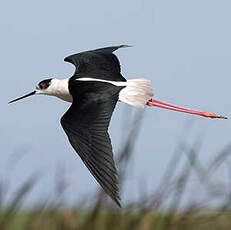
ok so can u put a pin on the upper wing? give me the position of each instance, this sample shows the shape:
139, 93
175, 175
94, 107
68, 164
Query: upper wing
86, 123
95, 61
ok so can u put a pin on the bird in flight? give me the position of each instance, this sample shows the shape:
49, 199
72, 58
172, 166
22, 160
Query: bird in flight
94, 89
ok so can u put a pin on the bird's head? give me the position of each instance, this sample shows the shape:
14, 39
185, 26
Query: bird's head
46, 87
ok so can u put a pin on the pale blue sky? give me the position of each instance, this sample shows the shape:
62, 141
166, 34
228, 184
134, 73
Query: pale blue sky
182, 46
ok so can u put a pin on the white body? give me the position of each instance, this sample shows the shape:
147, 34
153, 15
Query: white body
137, 91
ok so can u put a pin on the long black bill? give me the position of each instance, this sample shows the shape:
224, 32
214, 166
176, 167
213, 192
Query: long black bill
27, 95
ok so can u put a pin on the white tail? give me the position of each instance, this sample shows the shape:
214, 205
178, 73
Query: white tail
137, 92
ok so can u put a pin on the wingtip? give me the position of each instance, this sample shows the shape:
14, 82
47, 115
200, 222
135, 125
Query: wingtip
125, 46
119, 205
117, 201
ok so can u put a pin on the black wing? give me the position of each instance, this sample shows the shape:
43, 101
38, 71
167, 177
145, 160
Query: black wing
86, 123
97, 61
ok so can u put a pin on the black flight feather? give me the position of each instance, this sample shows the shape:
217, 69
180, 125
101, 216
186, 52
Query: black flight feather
86, 125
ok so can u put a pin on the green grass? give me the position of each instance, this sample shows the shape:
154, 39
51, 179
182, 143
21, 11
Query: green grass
105, 219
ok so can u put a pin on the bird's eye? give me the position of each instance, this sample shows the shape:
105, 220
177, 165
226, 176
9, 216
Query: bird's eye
40, 86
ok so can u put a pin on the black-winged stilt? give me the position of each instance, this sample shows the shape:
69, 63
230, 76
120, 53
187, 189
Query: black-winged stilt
94, 89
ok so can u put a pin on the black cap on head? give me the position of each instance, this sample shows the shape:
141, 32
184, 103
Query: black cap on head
44, 84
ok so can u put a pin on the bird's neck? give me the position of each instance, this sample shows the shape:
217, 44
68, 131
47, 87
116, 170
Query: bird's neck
60, 89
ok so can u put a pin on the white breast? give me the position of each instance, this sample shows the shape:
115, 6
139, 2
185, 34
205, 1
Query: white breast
62, 90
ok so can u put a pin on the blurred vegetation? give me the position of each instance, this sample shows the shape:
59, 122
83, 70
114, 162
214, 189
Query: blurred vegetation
163, 209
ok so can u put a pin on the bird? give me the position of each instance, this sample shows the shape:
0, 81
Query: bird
93, 91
